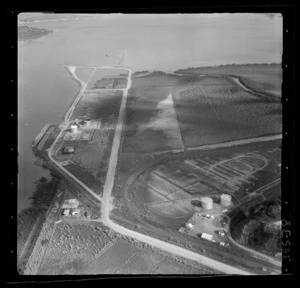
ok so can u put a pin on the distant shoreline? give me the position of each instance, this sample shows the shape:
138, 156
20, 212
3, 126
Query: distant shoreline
28, 33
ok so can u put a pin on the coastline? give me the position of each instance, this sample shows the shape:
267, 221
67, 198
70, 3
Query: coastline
28, 33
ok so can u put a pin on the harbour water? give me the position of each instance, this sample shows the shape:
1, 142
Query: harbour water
148, 42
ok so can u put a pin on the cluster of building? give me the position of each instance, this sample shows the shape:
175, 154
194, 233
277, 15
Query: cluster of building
70, 208
78, 123
206, 205
74, 130
209, 237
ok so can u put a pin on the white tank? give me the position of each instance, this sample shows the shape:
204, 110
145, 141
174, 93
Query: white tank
225, 200
74, 128
206, 203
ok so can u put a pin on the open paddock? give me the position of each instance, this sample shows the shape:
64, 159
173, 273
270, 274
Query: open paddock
264, 78
214, 112
142, 263
120, 83
73, 246
92, 249
151, 121
112, 259
173, 208
104, 104
85, 177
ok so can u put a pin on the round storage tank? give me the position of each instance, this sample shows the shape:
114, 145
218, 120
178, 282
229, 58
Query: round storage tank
225, 200
74, 128
207, 203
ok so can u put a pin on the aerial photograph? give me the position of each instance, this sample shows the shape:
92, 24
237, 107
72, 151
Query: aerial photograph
149, 144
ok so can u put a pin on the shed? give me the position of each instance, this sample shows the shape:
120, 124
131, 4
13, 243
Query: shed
66, 212
207, 236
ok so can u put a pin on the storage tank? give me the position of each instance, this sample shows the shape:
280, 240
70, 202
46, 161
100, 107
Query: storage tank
225, 200
206, 203
74, 128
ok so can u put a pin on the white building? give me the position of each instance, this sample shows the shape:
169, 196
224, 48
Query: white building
207, 236
66, 212
189, 225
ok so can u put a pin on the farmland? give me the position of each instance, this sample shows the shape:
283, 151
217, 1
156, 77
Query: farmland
91, 248
104, 104
264, 78
217, 110
176, 111
151, 121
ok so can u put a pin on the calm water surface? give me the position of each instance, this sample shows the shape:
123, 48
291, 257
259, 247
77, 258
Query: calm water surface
165, 42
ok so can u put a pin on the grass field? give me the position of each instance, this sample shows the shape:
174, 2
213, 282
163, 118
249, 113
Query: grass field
120, 83
208, 109
217, 111
89, 162
265, 78
151, 121
91, 248
104, 104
